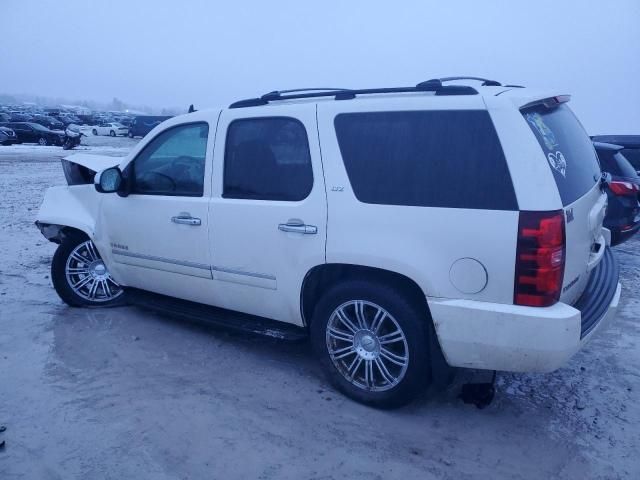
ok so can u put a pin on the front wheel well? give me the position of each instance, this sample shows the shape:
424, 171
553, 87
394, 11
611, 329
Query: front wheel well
57, 233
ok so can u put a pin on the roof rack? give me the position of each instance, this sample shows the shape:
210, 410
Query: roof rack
434, 85
485, 81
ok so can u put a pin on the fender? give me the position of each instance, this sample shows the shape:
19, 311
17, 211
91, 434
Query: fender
68, 206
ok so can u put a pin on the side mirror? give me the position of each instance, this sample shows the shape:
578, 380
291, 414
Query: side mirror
108, 181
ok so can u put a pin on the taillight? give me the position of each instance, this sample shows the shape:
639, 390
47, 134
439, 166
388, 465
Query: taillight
540, 257
624, 188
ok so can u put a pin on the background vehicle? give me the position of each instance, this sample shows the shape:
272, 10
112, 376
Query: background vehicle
110, 128
20, 117
49, 122
7, 136
630, 146
126, 121
68, 119
34, 133
141, 125
86, 120
401, 228
4, 117
623, 191
72, 137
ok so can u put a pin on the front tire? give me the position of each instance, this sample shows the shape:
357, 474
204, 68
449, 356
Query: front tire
372, 343
94, 131
43, 141
80, 277
112, 133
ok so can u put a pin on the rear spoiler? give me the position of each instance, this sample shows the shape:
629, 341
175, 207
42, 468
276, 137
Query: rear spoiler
549, 102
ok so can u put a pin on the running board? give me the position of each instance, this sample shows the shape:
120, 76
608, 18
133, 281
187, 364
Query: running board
219, 317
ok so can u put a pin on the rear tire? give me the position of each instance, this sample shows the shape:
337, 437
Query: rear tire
80, 277
130, 135
94, 131
372, 343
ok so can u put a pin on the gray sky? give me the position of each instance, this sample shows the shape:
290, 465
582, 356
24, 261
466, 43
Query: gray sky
177, 52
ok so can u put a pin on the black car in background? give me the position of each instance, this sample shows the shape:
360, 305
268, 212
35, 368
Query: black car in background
142, 125
7, 136
623, 192
50, 122
28, 132
630, 146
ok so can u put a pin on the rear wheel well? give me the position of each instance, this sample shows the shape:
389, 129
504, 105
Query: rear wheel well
322, 277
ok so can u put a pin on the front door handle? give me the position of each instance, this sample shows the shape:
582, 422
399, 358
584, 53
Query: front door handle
298, 227
183, 219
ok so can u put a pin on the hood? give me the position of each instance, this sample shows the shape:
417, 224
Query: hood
93, 162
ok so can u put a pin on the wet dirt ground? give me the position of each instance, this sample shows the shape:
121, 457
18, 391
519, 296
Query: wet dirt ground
123, 393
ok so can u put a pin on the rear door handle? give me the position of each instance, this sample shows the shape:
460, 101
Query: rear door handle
298, 228
186, 220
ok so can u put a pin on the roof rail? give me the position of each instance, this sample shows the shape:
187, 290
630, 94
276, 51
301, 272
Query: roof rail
485, 81
433, 85
278, 93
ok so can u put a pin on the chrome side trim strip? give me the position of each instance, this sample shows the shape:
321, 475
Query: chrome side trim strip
125, 253
201, 266
241, 272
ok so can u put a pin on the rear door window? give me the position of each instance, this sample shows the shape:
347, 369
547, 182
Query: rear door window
567, 148
267, 159
450, 159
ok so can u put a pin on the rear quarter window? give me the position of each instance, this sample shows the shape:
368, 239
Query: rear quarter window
450, 159
567, 148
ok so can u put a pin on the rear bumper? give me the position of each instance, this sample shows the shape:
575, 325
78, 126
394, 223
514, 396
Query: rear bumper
525, 339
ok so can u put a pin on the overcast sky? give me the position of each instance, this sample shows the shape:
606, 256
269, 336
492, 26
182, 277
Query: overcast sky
173, 53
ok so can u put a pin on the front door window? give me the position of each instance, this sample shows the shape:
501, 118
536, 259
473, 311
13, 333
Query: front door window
173, 163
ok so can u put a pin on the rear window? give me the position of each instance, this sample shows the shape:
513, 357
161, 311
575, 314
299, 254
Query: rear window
567, 147
447, 159
633, 156
616, 164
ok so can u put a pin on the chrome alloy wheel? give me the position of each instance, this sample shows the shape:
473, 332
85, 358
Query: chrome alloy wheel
88, 276
367, 345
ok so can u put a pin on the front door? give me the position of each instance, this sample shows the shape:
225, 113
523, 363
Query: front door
156, 237
268, 211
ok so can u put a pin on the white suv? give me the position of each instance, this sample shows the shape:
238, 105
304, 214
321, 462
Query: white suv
399, 227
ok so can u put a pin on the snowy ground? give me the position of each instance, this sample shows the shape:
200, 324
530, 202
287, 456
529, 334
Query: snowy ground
121, 393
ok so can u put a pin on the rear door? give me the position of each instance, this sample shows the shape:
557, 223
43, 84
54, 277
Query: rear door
574, 164
268, 212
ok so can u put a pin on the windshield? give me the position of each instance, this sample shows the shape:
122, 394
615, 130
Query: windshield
567, 147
